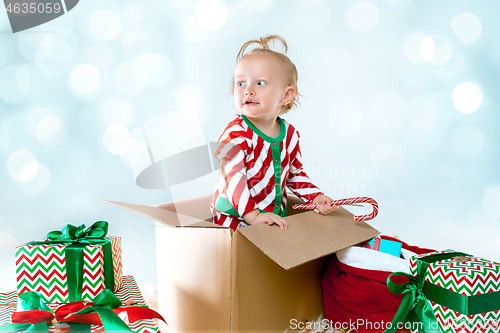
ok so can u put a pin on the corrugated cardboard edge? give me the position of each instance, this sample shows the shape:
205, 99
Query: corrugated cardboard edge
164, 216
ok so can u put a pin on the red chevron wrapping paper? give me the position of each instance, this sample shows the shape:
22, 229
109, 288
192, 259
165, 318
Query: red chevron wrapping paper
42, 268
129, 294
7, 306
468, 276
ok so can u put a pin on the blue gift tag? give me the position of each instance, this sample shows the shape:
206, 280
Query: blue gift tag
387, 246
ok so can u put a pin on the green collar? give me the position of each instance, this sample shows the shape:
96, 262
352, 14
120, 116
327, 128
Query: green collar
254, 128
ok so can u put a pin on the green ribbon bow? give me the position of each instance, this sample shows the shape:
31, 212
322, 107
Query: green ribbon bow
103, 304
415, 307
33, 313
38, 310
78, 238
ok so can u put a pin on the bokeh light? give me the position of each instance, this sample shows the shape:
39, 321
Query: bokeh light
422, 112
51, 132
259, 4
196, 105
326, 63
130, 79
105, 24
185, 5
100, 55
116, 139
451, 68
491, 198
467, 97
427, 48
362, 16
32, 81
5, 139
388, 111
415, 74
35, 116
467, 141
194, 33
40, 181
345, 119
8, 277
9, 87
157, 67
445, 178
85, 79
54, 58
389, 158
467, 27
118, 110
28, 44
211, 14
139, 10
314, 16
136, 44
6, 53
419, 48
22, 165
423, 140
443, 50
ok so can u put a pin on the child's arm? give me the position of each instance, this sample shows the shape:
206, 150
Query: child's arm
300, 183
233, 171
255, 216
327, 207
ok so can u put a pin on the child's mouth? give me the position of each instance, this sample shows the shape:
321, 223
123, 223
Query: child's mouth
249, 102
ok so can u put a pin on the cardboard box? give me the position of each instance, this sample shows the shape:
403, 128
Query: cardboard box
259, 278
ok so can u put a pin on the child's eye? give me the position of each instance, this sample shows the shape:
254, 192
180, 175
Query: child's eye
261, 83
241, 84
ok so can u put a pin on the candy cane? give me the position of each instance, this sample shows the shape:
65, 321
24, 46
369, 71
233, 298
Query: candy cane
348, 202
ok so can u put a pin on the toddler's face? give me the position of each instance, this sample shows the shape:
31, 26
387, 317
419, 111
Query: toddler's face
259, 87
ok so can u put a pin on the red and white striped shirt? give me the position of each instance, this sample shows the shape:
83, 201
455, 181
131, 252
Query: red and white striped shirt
254, 171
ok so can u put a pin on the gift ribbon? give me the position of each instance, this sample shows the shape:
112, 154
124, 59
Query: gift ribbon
415, 306
34, 314
103, 311
78, 238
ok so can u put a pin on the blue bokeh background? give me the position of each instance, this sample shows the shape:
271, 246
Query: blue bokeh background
399, 102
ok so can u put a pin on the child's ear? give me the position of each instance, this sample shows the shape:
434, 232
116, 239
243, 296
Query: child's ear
289, 94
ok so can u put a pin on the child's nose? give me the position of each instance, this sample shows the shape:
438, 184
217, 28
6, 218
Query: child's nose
249, 92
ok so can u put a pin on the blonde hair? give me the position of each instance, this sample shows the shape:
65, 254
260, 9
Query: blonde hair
264, 50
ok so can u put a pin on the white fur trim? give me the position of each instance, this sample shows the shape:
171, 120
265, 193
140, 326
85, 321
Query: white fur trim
407, 254
364, 258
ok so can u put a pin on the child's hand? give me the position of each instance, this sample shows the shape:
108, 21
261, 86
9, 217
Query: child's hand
255, 216
325, 206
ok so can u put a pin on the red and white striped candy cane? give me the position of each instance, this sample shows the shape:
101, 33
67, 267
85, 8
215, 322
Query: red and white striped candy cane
348, 202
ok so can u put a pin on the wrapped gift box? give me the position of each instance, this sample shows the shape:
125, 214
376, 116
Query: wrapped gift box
43, 268
384, 245
473, 282
129, 294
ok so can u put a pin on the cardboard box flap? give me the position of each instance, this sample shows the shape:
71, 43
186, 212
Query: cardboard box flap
163, 215
309, 236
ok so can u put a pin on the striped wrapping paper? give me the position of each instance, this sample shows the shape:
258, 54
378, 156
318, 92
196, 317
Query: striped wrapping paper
129, 294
